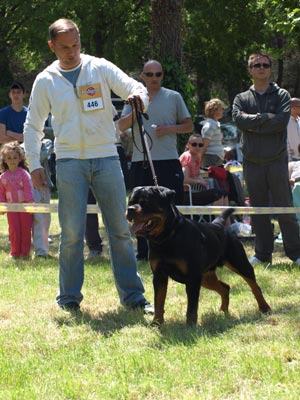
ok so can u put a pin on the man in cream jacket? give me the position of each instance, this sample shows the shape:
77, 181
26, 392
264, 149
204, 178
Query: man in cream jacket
76, 89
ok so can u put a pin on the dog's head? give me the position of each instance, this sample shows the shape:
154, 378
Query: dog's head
149, 208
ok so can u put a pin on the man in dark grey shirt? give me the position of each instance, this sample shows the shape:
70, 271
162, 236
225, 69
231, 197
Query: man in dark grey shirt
262, 114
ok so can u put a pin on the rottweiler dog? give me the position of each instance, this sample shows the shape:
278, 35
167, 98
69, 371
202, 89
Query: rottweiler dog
187, 251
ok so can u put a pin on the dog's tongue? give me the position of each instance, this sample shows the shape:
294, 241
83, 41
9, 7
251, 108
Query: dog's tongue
135, 227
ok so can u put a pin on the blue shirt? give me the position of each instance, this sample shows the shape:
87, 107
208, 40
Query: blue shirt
13, 120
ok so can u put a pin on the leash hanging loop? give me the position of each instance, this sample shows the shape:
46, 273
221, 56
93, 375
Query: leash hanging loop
137, 106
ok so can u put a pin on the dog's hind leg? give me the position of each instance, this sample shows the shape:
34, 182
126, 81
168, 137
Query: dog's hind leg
210, 281
249, 277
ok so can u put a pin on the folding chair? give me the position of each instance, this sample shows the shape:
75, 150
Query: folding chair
196, 188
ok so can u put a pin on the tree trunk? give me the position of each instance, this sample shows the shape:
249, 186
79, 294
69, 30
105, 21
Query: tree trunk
166, 29
5, 72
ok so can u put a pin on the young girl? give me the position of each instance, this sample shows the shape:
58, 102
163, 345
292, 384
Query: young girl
16, 187
190, 161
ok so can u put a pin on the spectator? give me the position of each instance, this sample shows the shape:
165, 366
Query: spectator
12, 117
262, 114
120, 148
213, 151
16, 187
92, 237
293, 130
294, 175
41, 221
168, 115
191, 162
86, 156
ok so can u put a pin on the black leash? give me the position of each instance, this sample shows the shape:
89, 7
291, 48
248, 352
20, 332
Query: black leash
136, 105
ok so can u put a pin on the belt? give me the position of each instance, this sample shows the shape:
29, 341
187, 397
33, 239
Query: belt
297, 180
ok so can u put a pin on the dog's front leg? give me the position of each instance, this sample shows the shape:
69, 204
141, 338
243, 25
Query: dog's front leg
193, 292
160, 284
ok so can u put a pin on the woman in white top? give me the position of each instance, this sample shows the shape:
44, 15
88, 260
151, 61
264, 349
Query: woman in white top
213, 150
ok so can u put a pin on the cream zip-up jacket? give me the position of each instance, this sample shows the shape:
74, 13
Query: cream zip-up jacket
78, 134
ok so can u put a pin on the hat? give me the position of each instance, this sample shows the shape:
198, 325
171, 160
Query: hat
17, 85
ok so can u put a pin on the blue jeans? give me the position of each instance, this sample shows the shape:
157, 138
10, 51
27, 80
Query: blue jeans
296, 198
104, 176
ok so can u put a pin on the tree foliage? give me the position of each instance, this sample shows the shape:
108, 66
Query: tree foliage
205, 42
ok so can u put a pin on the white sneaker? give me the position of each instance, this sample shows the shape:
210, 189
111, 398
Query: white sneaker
297, 262
255, 261
279, 239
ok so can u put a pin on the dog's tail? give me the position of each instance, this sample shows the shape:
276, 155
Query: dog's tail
221, 219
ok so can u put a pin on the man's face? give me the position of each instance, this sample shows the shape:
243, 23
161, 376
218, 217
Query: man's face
16, 96
152, 75
295, 110
66, 47
260, 69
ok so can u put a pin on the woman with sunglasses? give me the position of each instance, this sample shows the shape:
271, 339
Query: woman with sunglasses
213, 150
191, 162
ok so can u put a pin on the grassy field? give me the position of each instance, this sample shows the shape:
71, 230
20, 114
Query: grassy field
109, 352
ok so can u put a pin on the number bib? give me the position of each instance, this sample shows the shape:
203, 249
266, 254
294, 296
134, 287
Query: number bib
91, 97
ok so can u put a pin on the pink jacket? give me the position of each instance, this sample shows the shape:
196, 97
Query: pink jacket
16, 187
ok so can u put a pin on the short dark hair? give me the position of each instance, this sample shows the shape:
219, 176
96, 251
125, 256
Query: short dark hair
257, 55
60, 26
17, 85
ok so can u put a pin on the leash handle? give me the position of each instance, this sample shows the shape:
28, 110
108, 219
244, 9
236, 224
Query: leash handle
137, 105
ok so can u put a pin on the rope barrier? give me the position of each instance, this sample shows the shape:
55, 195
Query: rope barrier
206, 210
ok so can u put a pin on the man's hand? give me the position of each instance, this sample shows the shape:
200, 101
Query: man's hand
136, 103
39, 178
162, 130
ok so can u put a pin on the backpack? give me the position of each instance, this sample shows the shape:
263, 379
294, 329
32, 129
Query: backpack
236, 191
220, 175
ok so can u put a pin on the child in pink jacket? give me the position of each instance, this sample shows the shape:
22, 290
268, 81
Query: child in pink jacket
16, 187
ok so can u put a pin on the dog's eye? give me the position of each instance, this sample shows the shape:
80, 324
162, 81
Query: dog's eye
145, 206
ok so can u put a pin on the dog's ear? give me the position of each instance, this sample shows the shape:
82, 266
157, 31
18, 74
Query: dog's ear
167, 194
171, 195
134, 191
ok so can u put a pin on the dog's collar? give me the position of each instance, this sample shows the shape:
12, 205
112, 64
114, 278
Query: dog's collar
177, 215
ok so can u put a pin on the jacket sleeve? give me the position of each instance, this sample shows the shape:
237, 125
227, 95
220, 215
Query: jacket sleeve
2, 193
123, 85
38, 111
28, 188
266, 123
244, 121
278, 121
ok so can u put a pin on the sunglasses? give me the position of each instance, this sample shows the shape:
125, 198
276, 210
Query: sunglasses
196, 144
259, 65
150, 74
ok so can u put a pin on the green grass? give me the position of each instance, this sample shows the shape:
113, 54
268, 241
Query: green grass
111, 353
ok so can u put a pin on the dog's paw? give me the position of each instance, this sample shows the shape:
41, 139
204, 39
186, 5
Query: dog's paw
266, 309
156, 324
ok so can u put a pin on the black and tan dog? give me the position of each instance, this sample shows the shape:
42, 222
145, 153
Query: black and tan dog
187, 251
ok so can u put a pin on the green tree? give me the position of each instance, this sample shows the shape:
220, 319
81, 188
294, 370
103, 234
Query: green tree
220, 34
167, 36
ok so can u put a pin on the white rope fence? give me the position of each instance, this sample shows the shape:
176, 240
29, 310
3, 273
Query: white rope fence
206, 210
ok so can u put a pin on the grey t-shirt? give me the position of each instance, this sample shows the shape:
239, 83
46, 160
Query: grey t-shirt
166, 108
